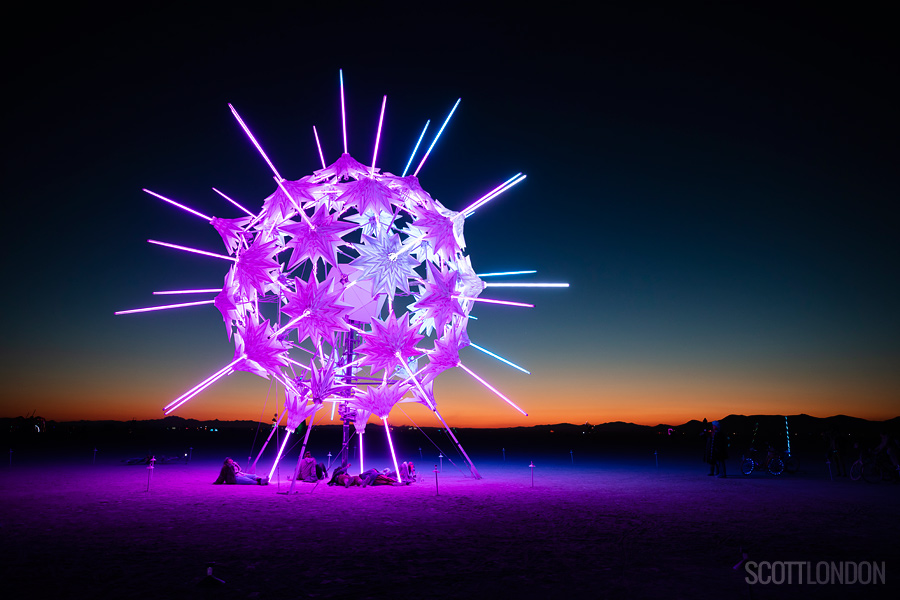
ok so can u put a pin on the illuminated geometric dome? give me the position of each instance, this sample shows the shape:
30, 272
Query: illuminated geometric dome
350, 287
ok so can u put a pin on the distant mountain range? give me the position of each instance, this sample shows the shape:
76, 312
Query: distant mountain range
735, 424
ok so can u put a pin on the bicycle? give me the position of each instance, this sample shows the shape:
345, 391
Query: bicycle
874, 468
752, 460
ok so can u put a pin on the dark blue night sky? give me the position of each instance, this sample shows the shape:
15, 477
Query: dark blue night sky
718, 185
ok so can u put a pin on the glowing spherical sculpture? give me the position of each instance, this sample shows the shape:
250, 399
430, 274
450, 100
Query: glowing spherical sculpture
350, 287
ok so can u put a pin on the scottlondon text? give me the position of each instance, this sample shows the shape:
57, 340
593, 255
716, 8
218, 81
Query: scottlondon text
797, 572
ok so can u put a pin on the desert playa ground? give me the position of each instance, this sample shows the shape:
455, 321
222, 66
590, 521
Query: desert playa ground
614, 527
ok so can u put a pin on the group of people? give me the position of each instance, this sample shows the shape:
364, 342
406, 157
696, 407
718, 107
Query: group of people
374, 476
312, 471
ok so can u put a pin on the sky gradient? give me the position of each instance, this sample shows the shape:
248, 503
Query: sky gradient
719, 189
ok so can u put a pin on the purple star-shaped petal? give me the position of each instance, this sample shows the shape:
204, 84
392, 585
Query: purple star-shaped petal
381, 399
445, 354
346, 167
442, 228
368, 194
386, 263
263, 353
257, 267
380, 346
323, 382
435, 308
279, 207
232, 231
325, 313
321, 241
230, 301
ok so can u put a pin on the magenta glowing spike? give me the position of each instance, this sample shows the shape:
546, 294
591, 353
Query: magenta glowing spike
333, 405
194, 250
492, 388
484, 200
447, 120
416, 381
489, 194
505, 273
166, 307
295, 363
226, 370
421, 135
235, 203
489, 301
319, 146
362, 462
255, 143
292, 322
343, 112
181, 206
378, 136
387, 430
527, 285
297, 206
169, 292
500, 358
287, 436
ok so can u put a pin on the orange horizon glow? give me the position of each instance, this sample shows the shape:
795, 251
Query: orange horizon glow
671, 400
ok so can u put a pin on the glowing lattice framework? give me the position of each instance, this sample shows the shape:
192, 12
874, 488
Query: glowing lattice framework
333, 252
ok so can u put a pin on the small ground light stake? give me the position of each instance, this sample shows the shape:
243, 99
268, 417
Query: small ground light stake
190, 454
828, 462
531, 466
441, 457
211, 580
656, 456
504, 454
150, 471
572, 455
420, 453
329, 461
437, 491
94, 462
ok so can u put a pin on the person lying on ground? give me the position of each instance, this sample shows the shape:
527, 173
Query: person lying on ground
231, 474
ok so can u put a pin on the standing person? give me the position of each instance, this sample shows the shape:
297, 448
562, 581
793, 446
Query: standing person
718, 449
706, 434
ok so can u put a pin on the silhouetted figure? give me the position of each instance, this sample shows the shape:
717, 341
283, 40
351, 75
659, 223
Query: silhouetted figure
718, 450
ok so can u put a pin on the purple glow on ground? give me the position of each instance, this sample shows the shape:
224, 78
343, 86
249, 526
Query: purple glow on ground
611, 521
